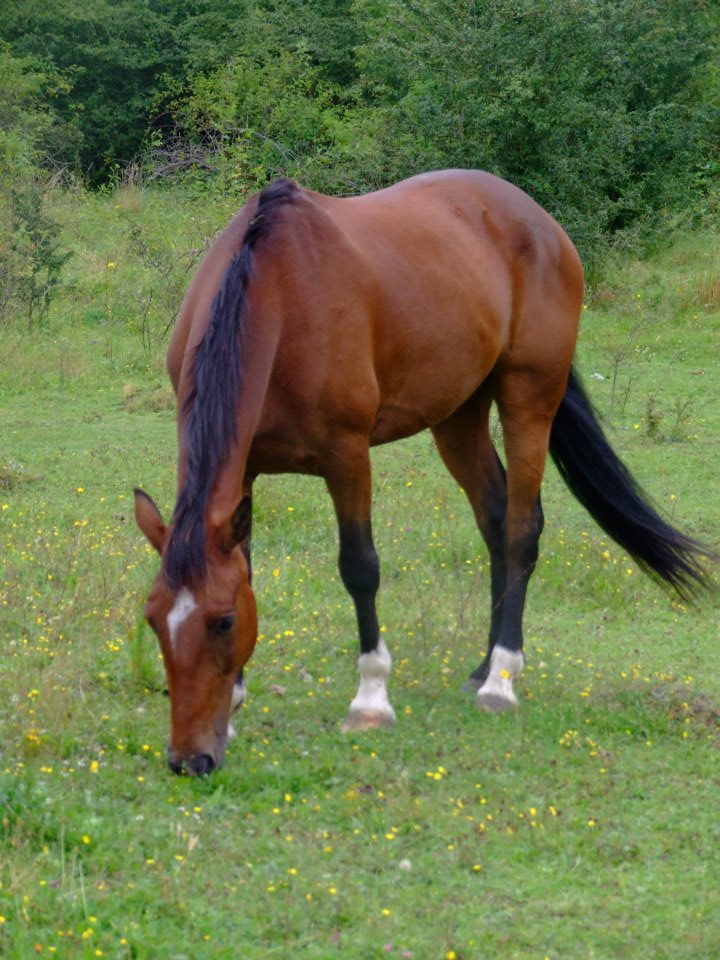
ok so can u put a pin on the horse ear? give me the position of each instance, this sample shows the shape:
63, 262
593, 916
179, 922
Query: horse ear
147, 517
237, 528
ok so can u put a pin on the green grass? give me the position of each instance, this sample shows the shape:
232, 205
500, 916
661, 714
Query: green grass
582, 826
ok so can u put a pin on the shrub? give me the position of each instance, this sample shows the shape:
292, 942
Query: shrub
595, 108
31, 257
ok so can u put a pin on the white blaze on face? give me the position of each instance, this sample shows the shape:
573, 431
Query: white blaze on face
184, 606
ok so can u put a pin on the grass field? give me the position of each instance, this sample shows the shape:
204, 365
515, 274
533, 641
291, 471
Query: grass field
582, 826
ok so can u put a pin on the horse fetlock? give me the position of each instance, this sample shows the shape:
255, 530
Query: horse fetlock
477, 678
497, 694
371, 707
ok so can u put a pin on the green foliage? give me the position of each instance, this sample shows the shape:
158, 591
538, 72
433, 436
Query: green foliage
29, 87
274, 104
31, 256
210, 33
126, 64
607, 113
593, 108
267, 113
23, 118
111, 56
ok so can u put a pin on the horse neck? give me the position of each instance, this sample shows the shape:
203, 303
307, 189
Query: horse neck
258, 347
227, 364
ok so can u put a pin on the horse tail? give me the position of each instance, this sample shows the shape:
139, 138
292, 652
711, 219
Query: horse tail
606, 488
210, 409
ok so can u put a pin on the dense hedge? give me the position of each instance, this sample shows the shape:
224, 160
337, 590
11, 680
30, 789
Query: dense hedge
607, 111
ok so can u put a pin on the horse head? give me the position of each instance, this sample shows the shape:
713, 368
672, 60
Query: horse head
207, 629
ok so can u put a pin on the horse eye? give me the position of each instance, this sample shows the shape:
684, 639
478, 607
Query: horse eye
224, 624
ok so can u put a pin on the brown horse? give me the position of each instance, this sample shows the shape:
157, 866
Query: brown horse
317, 327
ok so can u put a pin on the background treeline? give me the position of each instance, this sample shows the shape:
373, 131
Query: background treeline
606, 111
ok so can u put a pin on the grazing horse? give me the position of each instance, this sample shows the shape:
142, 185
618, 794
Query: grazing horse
318, 326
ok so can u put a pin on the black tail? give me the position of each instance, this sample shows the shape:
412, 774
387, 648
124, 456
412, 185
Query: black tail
606, 488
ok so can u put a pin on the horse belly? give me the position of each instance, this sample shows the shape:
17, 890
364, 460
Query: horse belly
394, 423
428, 390
429, 360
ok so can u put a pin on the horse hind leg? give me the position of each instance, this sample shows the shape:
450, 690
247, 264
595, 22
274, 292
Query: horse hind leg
463, 441
527, 405
349, 485
480, 674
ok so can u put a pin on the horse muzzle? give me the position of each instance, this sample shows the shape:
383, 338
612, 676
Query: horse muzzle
198, 766
194, 765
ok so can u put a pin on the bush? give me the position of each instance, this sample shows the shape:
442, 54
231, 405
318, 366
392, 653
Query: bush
607, 113
265, 114
596, 109
30, 252
31, 257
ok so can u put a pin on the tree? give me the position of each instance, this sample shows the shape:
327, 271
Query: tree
111, 55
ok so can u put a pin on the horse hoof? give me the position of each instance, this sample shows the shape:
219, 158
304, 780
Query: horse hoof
368, 720
496, 694
493, 701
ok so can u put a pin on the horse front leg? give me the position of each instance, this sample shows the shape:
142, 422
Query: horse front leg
349, 485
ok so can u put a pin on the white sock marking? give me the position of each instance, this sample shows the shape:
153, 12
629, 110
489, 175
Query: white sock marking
372, 693
505, 666
184, 606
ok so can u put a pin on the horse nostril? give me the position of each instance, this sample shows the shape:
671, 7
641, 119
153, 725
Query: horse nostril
200, 765
175, 766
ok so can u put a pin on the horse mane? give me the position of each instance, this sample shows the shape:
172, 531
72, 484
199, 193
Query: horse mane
210, 408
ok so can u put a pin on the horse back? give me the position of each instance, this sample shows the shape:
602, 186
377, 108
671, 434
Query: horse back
385, 312
397, 305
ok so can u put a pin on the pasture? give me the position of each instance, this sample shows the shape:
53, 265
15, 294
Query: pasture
584, 825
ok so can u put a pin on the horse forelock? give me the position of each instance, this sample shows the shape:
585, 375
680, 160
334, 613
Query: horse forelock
211, 407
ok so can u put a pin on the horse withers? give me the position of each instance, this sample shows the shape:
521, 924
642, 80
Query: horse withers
317, 327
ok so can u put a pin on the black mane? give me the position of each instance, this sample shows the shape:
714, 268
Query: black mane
211, 406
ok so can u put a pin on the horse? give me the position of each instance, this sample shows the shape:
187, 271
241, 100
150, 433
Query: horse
319, 326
